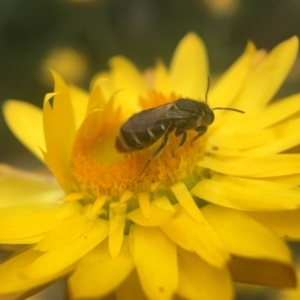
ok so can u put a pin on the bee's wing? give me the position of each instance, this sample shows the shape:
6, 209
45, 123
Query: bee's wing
175, 113
147, 118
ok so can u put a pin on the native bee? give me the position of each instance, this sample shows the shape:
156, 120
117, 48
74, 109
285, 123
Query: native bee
145, 128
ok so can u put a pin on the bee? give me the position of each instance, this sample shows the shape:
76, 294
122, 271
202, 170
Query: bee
146, 127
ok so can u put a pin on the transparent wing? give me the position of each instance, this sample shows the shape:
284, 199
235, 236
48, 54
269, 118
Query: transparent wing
150, 117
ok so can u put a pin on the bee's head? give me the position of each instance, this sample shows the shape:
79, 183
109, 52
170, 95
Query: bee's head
206, 114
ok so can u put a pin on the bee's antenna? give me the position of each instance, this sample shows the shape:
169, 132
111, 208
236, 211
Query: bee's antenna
228, 108
207, 89
224, 108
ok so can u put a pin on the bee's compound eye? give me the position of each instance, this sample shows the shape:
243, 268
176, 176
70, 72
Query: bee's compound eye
209, 116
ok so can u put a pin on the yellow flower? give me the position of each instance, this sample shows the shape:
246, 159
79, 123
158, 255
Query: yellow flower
188, 225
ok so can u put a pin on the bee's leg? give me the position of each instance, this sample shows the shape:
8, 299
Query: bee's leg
157, 152
179, 132
201, 130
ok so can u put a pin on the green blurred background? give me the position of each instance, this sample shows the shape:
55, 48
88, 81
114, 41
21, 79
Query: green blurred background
78, 37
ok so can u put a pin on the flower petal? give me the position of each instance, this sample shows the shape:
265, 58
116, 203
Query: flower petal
18, 227
151, 250
116, 227
131, 289
96, 99
161, 80
34, 191
26, 123
262, 272
257, 242
96, 131
161, 210
178, 233
144, 204
59, 139
248, 194
79, 99
185, 198
278, 111
289, 179
237, 134
199, 280
258, 91
186, 79
285, 136
253, 166
11, 279
23, 241
285, 223
56, 260
225, 90
99, 264
196, 236
126, 77
65, 232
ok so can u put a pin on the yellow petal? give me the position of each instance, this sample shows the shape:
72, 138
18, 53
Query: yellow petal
285, 223
161, 211
266, 79
262, 272
67, 231
56, 260
11, 278
73, 197
278, 111
161, 80
197, 236
131, 289
79, 99
237, 137
144, 203
253, 166
155, 258
225, 90
248, 194
17, 295
18, 227
189, 68
58, 138
26, 241
178, 233
97, 205
286, 136
33, 190
126, 77
257, 241
96, 100
26, 123
184, 197
126, 196
107, 86
99, 264
289, 179
93, 129
199, 280
116, 227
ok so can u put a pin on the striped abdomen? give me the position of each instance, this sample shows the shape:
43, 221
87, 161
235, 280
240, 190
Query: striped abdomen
130, 141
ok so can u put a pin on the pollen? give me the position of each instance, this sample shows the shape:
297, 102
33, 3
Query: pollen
100, 169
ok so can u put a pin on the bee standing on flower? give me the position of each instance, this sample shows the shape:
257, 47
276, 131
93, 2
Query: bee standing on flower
145, 128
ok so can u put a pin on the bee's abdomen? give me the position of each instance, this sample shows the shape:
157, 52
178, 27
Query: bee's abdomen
135, 141
120, 144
